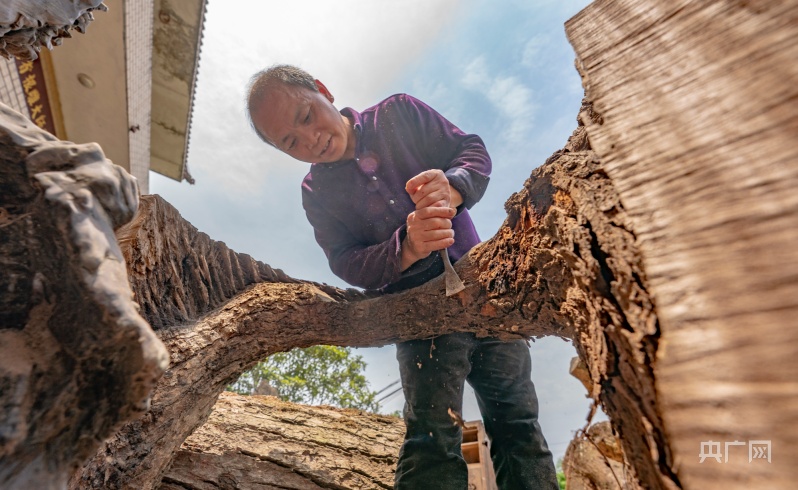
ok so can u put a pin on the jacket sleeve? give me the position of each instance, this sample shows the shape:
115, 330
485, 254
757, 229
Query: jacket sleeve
365, 266
463, 157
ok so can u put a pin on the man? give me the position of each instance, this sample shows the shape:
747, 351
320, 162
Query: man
389, 187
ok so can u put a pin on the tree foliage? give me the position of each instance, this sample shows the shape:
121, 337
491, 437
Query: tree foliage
318, 375
560, 475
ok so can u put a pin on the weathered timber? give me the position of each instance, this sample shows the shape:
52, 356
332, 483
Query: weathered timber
76, 359
178, 274
595, 461
260, 441
698, 133
27, 26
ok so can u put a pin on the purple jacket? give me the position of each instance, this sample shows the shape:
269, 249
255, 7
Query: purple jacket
358, 208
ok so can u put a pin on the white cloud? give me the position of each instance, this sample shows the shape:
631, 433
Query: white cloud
475, 74
357, 47
532, 50
509, 96
515, 101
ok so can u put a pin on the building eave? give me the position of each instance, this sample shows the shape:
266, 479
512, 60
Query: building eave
177, 41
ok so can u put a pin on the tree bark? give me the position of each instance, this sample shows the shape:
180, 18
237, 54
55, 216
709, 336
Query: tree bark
262, 442
27, 26
595, 461
76, 359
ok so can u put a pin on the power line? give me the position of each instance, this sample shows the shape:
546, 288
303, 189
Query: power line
391, 384
397, 390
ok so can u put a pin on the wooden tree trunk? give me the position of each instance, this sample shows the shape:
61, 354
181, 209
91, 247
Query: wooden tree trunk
699, 134
596, 461
262, 442
76, 358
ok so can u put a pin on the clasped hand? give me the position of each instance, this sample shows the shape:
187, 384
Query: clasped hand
429, 227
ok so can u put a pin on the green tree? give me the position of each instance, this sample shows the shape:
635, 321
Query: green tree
321, 374
560, 475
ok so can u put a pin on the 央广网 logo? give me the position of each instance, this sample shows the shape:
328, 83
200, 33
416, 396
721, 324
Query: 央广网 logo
712, 450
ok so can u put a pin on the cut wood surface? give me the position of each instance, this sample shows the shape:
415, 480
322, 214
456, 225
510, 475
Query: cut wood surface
262, 442
699, 134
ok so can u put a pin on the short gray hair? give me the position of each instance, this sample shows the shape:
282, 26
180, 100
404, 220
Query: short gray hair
260, 83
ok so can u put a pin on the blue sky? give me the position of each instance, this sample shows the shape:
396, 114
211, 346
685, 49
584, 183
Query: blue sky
501, 69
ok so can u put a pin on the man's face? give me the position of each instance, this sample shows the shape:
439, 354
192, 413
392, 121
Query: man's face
304, 124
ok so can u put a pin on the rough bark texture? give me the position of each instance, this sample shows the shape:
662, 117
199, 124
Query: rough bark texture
178, 273
262, 442
595, 461
698, 133
76, 358
27, 26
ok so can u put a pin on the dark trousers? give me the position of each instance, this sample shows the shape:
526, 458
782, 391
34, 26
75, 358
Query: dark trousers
433, 375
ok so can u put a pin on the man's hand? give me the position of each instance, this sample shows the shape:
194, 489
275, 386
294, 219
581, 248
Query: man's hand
428, 229
431, 188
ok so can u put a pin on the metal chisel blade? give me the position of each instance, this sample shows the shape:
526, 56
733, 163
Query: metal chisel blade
453, 283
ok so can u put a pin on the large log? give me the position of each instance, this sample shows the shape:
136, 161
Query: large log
76, 358
260, 441
595, 460
699, 134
